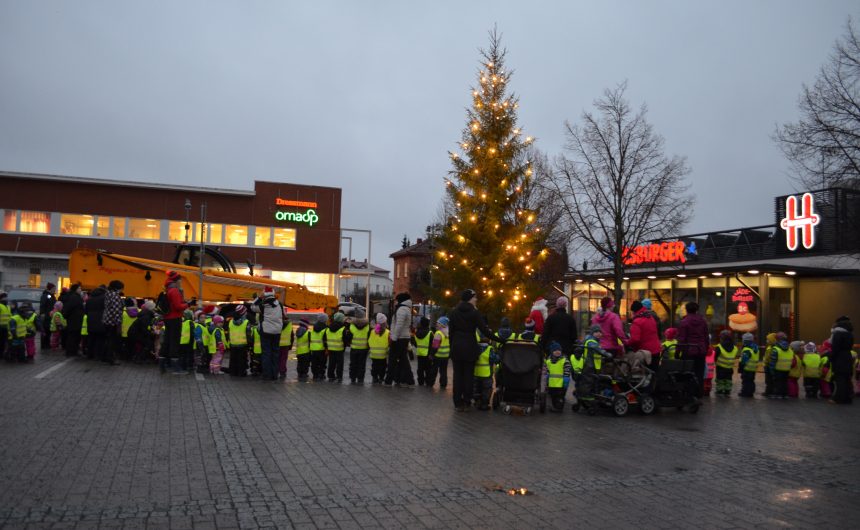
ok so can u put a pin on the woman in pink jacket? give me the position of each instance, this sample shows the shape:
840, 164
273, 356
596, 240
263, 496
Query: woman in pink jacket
610, 324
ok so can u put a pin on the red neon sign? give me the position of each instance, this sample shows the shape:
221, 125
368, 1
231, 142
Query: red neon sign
742, 294
666, 252
299, 204
805, 221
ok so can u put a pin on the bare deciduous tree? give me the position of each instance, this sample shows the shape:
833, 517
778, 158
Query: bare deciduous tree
617, 187
824, 145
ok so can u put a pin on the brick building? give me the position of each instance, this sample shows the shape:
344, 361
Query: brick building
411, 265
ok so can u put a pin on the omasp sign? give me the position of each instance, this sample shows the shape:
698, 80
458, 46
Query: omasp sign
803, 221
308, 217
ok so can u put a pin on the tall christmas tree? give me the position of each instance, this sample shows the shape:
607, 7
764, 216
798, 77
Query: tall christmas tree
491, 242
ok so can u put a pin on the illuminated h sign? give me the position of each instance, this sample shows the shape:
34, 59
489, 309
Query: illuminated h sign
804, 221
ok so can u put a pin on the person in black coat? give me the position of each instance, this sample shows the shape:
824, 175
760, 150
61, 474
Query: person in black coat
96, 332
559, 327
46, 305
73, 311
464, 321
841, 361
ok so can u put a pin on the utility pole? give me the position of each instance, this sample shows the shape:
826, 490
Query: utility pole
202, 248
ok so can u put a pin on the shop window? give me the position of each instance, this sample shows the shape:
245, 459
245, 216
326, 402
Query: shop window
118, 227
236, 235
285, 238
684, 292
262, 236
320, 283
661, 304
10, 219
144, 229
176, 231
102, 226
34, 279
36, 222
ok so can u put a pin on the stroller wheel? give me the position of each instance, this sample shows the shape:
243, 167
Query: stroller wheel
527, 411
592, 410
647, 405
575, 407
507, 409
620, 405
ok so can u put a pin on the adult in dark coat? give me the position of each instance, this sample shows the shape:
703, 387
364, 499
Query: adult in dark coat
96, 332
464, 320
559, 327
46, 305
73, 311
693, 341
841, 361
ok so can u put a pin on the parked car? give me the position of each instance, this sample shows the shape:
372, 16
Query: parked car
351, 309
30, 295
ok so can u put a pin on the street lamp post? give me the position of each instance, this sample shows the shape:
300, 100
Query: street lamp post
202, 248
187, 218
367, 281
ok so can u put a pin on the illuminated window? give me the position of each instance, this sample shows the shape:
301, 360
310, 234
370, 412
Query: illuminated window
10, 218
102, 226
118, 227
319, 283
76, 225
213, 232
285, 238
144, 229
36, 222
236, 235
263, 236
176, 231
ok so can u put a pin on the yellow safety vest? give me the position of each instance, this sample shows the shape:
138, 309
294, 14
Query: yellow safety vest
258, 346
520, 337
303, 344
31, 323
811, 365
204, 333
378, 345
595, 358
185, 333
238, 333
359, 342
752, 362
422, 346
577, 364
20, 327
334, 339
57, 321
783, 359
555, 372
796, 370
317, 339
216, 335
5, 315
84, 330
482, 365
286, 336
444, 350
670, 346
127, 321
726, 359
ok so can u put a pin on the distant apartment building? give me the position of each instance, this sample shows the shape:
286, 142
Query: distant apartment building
410, 265
353, 281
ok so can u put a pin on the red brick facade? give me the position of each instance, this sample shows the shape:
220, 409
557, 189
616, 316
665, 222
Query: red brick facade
409, 263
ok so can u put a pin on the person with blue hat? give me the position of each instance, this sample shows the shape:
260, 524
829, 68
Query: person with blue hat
556, 376
440, 351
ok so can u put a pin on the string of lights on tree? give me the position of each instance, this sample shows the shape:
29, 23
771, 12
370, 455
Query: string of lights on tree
491, 242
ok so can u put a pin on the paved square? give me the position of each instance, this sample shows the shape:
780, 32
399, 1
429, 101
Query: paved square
87, 445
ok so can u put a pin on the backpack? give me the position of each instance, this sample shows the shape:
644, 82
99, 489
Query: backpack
162, 303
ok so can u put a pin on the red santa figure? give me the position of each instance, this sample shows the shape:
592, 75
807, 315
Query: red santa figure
538, 314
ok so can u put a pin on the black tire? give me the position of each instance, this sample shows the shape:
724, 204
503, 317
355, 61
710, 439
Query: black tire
592, 410
542, 403
620, 405
647, 405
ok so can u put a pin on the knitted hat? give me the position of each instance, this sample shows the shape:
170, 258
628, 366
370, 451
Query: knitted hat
241, 310
467, 295
771, 338
646, 302
595, 329
268, 292
725, 334
322, 317
304, 322
443, 321
505, 323
402, 297
172, 276
132, 312
554, 346
187, 314
530, 324
382, 319
607, 303
781, 336
809, 347
149, 305
58, 305
748, 337
561, 302
217, 319
338, 317
636, 306
671, 333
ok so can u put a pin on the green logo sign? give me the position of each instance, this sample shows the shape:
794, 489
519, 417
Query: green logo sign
309, 217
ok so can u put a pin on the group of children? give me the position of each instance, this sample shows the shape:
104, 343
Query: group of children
19, 326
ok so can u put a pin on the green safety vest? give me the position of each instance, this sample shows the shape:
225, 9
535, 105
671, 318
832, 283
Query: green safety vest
811, 365
84, 329
20, 327
31, 323
359, 342
185, 332
5, 315
58, 321
238, 333
258, 346
422, 346
726, 359
286, 336
596, 359
317, 339
216, 335
577, 364
482, 365
444, 350
127, 321
303, 344
334, 339
783, 359
378, 345
670, 346
204, 333
752, 362
555, 372
520, 337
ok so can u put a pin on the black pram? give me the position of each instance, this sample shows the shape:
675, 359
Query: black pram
518, 377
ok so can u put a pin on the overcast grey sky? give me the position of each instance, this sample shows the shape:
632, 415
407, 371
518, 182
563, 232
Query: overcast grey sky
369, 96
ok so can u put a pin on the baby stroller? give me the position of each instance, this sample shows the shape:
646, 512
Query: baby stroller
676, 384
619, 391
518, 377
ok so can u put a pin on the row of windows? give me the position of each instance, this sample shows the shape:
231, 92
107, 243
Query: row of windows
150, 229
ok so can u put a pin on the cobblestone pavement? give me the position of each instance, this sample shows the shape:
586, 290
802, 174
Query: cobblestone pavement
88, 445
